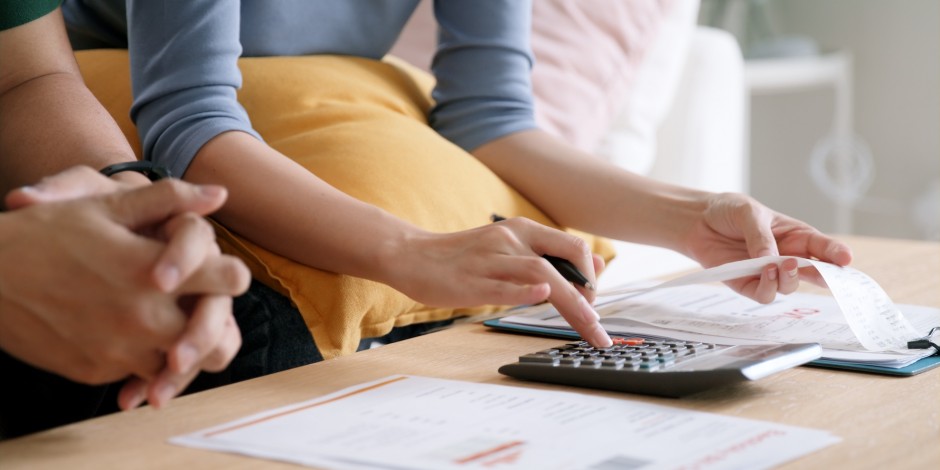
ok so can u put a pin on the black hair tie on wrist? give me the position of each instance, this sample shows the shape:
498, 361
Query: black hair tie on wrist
148, 169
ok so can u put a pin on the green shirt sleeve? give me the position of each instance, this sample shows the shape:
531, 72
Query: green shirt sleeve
18, 12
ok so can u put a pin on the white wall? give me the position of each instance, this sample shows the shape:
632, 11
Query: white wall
896, 48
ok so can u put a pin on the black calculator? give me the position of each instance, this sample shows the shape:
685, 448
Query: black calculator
658, 367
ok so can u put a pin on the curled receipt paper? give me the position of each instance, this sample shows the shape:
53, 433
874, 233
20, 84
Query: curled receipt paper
877, 323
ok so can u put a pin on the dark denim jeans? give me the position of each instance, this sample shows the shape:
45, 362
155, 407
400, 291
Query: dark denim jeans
274, 338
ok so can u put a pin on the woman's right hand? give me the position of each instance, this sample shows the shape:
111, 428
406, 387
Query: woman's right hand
501, 264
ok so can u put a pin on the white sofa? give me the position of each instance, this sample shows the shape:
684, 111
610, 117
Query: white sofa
699, 142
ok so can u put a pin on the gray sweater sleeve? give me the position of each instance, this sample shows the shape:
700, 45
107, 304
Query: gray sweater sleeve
184, 64
482, 66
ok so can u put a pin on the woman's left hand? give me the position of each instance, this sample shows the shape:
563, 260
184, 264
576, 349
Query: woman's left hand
735, 227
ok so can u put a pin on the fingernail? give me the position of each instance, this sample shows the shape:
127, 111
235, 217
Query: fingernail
137, 399
596, 336
793, 272
772, 273
599, 337
766, 252
29, 189
186, 357
210, 191
833, 251
163, 395
168, 277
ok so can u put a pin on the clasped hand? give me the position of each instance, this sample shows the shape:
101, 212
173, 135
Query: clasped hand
101, 282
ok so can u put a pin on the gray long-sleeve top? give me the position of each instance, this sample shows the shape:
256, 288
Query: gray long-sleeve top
185, 73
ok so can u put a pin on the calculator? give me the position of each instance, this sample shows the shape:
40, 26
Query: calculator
658, 367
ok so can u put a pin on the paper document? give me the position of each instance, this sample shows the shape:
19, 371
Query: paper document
876, 322
716, 314
859, 323
408, 422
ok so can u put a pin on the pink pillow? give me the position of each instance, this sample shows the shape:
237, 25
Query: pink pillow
587, 54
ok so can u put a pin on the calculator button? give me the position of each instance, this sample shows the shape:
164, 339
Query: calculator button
628, 341
614, 363
539, 358
570, 361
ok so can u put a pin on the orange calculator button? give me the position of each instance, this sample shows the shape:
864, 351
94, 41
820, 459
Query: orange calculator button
628, 341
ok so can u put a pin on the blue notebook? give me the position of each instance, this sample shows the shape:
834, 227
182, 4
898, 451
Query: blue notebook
922, 365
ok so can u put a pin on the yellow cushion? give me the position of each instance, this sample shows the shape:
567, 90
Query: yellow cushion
360, 125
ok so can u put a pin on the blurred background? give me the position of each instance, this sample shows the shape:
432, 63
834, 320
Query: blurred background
843, 110
826, 110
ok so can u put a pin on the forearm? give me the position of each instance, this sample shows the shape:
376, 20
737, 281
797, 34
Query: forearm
49, 120
279, 205
582, 191
52, 123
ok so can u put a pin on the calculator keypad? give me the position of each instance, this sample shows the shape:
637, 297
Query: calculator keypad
626, 353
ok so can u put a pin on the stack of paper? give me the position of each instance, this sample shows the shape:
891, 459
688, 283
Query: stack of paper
858, 324
716, 314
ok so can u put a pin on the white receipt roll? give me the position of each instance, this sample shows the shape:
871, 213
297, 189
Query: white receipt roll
877, 323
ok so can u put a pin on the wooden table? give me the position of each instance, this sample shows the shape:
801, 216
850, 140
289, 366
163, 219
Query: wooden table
885, 422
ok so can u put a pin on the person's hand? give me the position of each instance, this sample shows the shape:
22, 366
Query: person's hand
93, 305
75, 183
207, 344
499, 264
189, 243
734, 227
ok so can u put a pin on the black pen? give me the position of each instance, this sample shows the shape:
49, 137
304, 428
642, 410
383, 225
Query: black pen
563, 266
